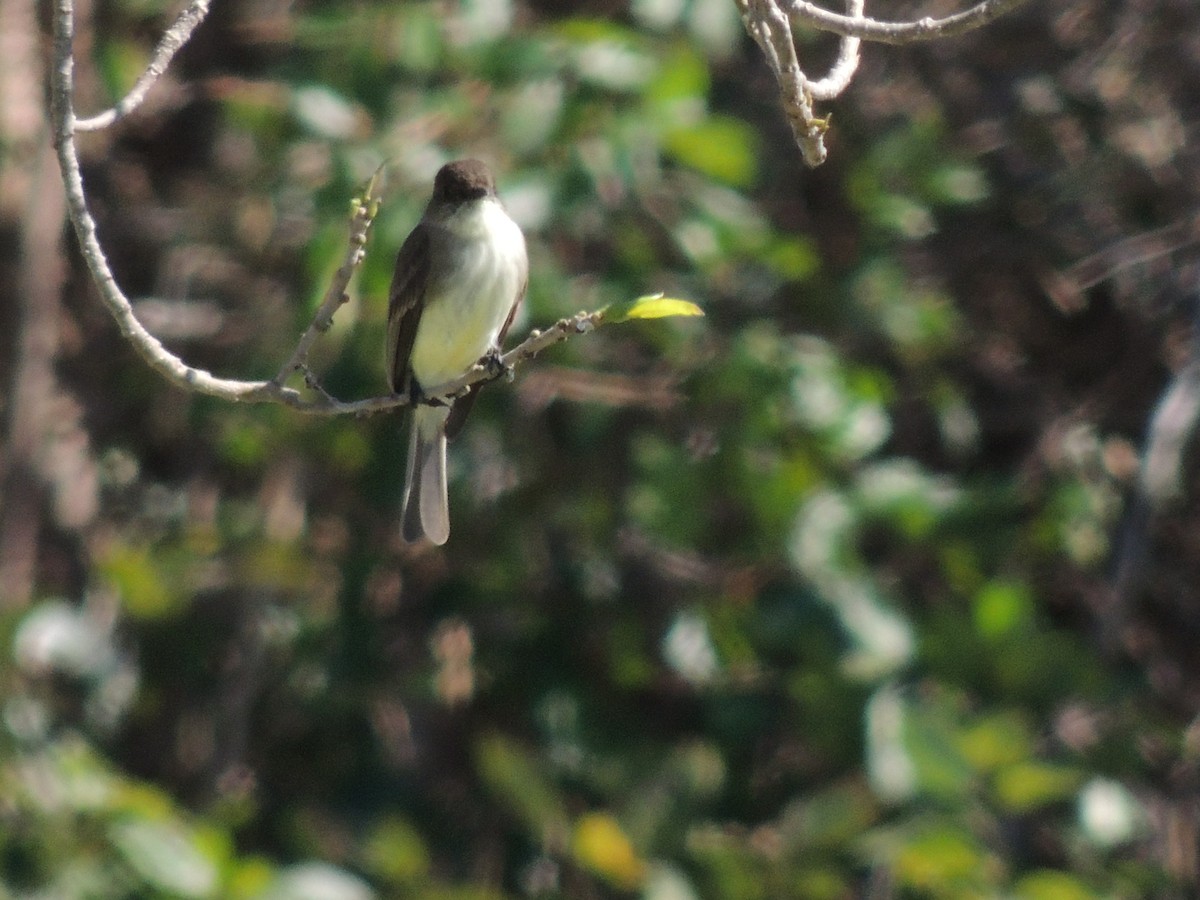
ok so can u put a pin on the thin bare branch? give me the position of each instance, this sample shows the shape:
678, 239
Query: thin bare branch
362, 215
770, 23
925, 29
172, 40
844, 66
150, 348
1132, 251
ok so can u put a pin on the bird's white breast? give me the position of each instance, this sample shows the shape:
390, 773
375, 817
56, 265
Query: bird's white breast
463, 314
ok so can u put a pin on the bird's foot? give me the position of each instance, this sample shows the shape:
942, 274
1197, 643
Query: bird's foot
496, 367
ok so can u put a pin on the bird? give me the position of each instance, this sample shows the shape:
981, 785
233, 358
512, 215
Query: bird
460, 277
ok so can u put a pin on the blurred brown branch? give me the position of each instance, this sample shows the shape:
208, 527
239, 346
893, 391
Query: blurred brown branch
29, 180
654, 391
1066, 288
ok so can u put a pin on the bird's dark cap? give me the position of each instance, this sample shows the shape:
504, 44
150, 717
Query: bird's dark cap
462, 180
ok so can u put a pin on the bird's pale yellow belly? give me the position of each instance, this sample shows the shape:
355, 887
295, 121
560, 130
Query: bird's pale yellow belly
463, 316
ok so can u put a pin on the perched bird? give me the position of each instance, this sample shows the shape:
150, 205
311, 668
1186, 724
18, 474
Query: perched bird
460, 276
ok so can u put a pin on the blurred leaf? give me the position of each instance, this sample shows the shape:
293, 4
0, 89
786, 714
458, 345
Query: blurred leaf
135, 574
317, 881
250, 878
668, 883
532, 116
120, 64
350, 451
68, 775
842, 404
957, 183
606, 54
520, 783
945, 861
57, 637
821, 883
599, 844
629, 664
1002, 608
417, 36
244, 442
721, 147
920, 320
729, 865
165, 855
680, 87
327, 113
995, 741
1050, 885
931, 735
898, 490
657, 13
141, 801
395, 851
794, 258
1029, 785
831, 818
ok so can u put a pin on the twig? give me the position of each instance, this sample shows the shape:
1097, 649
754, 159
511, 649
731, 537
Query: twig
766, 22
844, 66
63, 123
1132, 251
770, 23
174, 38
324, 404
362, 214
537, 341
926, 29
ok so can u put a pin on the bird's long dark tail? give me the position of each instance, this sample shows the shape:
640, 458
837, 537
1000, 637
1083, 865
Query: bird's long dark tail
426, 509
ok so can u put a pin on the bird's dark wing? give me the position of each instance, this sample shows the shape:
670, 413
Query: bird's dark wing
406, 301
462, 406
512, 313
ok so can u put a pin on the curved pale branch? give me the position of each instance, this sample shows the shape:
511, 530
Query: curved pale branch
770, 23
174, 38
63, 120
926, 29
844, 66
362, 215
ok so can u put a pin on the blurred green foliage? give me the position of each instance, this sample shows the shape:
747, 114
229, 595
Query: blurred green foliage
773, 603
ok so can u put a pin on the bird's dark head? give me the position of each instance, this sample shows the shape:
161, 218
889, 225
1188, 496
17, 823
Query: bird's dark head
462, 180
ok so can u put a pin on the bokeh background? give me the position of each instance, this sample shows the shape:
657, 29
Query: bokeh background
848, 589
